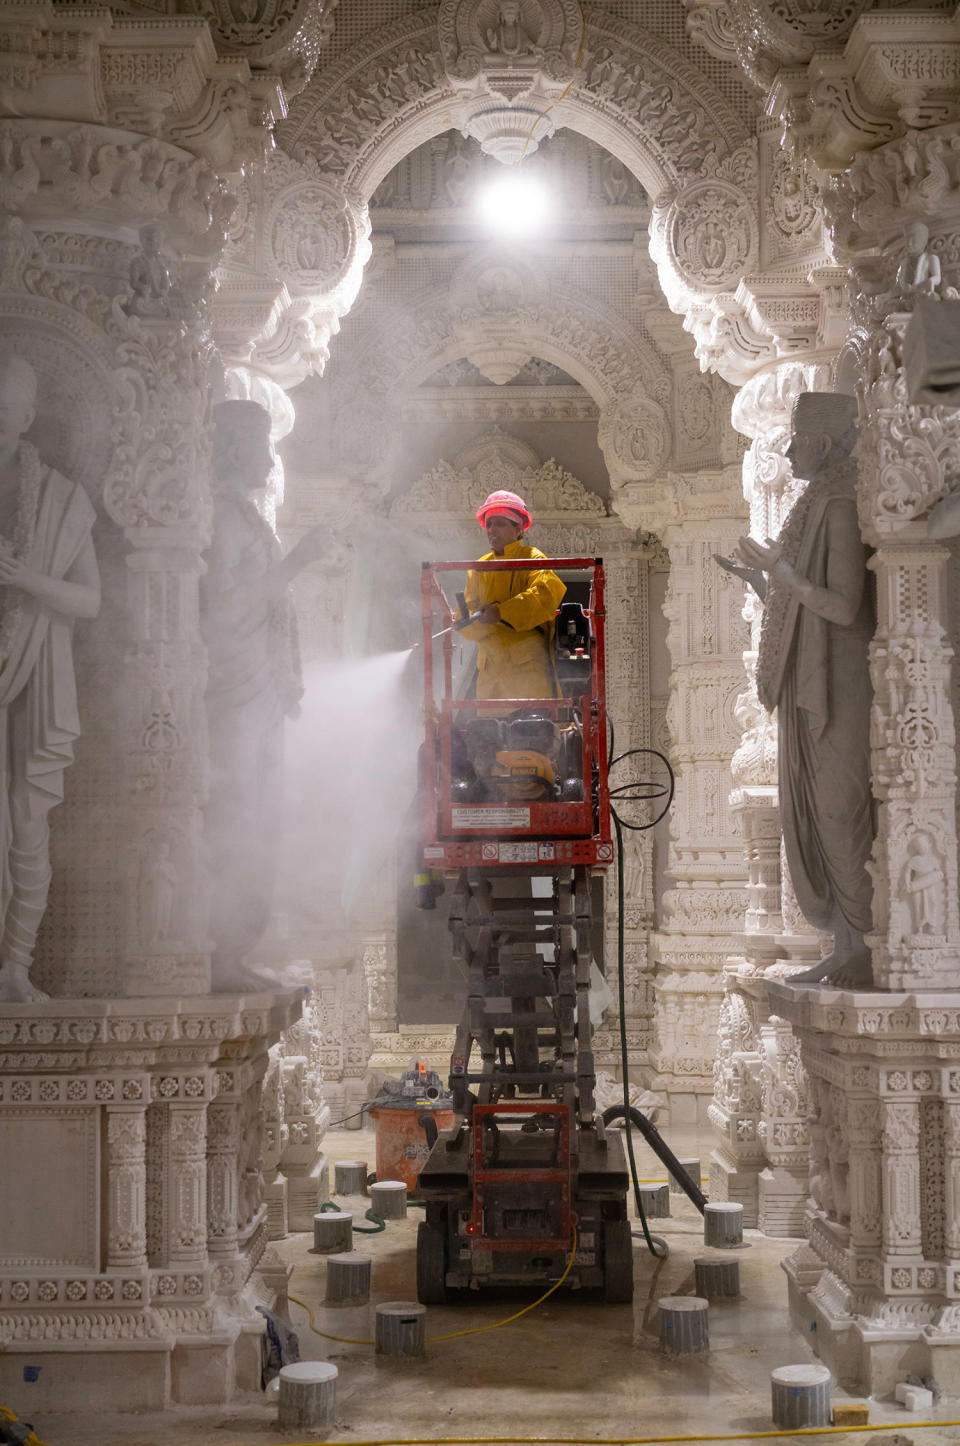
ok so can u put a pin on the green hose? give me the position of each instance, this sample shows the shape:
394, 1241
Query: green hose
374, 1229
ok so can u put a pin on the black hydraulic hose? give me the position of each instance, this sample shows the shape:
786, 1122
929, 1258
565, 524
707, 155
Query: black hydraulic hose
660, 1148
428, 1125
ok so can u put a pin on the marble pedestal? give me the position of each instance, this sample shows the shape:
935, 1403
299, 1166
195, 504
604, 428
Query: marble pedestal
877, 1286
132, 1217
760, 1106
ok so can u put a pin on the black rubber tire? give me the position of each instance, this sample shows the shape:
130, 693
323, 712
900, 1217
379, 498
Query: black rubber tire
617, 1262
431, 1265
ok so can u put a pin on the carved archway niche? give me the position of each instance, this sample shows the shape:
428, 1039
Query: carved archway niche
497, 309
631, 93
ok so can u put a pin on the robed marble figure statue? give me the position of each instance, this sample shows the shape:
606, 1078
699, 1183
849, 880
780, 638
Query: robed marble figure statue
48, 578
254, 682
812, 668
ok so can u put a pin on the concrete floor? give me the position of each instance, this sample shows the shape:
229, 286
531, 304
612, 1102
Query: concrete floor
569, 1368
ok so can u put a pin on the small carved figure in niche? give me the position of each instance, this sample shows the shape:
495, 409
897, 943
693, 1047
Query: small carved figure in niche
499, 290
156, 892
713, 245
633, 871
153, 292
821, 1185
837, 1155
458, 163
48, 578
791, 199
509, 36
615, 180
310, 249
919, 272
254, 682
923, 882
812, 668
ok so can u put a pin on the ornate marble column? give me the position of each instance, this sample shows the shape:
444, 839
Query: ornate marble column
705, 867
126, 1186
186, 1184
162, 387
113, 316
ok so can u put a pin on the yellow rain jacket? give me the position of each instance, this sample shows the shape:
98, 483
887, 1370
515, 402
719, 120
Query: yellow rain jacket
515, 656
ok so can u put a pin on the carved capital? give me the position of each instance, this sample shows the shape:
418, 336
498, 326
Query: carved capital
282, 37
897, 72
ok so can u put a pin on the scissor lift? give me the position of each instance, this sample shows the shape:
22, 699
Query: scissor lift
529, 1167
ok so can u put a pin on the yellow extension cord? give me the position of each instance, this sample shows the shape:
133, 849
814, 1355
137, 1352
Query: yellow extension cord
33, 1439
452, 1335
610, 1440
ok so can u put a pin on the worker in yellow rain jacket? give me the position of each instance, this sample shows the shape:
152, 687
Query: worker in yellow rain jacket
514, 632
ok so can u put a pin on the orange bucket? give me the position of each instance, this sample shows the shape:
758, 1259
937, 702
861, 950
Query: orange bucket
402, 1147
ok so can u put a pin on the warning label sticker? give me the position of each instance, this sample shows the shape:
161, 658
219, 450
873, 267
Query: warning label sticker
491, 817
518, 853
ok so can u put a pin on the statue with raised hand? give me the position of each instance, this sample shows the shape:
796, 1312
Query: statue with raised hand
812, 668
48, 578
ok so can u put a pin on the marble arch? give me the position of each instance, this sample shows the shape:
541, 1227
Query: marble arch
653, 110
624, 374
390, 94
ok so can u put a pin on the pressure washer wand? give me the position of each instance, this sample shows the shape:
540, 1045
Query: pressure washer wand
457, 626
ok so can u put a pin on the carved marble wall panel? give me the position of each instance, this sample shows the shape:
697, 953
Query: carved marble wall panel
153, 1108
705, 868
879, 1275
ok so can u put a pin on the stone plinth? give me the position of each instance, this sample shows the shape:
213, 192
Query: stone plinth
760, 1106
136, 1129
880, 1278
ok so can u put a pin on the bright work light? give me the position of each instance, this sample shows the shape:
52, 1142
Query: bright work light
514, 203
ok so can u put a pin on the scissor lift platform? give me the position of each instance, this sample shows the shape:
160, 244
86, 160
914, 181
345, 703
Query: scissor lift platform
530, 1170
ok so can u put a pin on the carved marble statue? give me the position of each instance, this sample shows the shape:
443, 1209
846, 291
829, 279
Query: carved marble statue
254, 682
49, 577
818, 622
509, 37
153, 292
156, 893
919, 272
923, 882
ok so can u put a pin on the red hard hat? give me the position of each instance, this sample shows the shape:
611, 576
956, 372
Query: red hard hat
506, 502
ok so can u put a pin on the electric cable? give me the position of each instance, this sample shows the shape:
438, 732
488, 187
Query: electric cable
452, 1335
26, 1435
361, 1111
563, 96
779, 1435
639, 791
656, 1244
623, 1440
